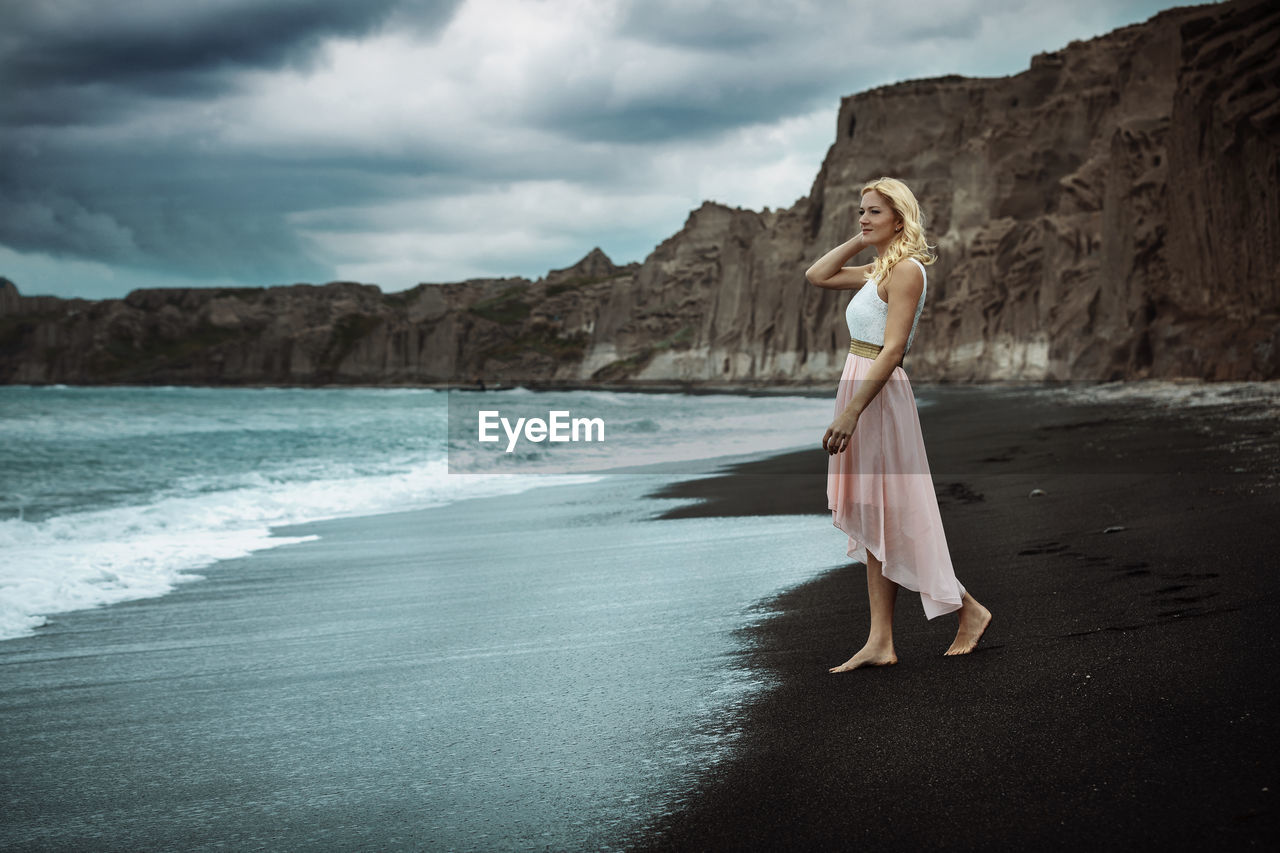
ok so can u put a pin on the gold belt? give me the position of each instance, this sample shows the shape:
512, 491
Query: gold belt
864, 349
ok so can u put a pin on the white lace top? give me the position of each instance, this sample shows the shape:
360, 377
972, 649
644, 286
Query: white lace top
867, 312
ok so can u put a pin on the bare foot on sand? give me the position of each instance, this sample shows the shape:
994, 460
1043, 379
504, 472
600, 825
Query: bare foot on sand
974, 619
868, 655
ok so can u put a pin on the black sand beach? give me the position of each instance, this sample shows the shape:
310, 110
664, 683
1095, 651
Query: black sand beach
1125, 695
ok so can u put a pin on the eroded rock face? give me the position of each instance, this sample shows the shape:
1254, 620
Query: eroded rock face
1079, 207
339, 333
1080, 210
1111, 212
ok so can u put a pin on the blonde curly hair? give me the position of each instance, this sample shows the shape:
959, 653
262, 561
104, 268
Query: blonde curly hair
910, 242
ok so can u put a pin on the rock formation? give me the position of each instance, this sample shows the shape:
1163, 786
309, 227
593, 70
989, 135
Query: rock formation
339, 333
1111, 212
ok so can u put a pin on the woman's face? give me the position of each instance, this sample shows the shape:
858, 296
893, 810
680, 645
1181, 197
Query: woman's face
876, 218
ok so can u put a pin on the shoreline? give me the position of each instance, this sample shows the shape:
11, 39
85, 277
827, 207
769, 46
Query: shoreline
1099, 710
656, 386
1266, 388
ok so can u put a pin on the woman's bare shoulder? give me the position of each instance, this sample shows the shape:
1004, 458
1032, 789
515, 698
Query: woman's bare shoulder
906, 279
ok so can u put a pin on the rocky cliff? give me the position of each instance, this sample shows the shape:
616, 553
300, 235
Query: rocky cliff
337, 333
1109, 213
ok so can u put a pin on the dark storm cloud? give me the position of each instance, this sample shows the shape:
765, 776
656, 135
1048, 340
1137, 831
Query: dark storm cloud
166, 216
716, 28
212, 214
68, 62
746, 62
89, 63
741, 65
681, 115
752, 24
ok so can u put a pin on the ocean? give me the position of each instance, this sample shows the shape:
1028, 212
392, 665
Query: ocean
111, 494
403, 625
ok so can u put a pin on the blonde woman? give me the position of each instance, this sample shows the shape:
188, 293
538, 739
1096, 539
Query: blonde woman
879, 488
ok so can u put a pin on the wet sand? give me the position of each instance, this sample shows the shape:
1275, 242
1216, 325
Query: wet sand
1125, 695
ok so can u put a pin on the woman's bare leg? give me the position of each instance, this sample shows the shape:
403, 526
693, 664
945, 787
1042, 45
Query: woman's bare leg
974, 619
882, 593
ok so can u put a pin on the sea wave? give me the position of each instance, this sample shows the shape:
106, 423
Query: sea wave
111, 494
85, 559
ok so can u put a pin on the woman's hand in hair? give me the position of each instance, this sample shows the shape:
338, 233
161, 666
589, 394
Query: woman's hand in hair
830, 272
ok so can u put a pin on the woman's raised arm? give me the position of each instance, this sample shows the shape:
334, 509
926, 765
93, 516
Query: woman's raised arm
830, 272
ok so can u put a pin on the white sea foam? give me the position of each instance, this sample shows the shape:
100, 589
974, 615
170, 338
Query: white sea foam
85, 559
1259, 400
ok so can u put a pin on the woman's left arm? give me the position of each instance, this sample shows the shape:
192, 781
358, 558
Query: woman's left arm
905, 285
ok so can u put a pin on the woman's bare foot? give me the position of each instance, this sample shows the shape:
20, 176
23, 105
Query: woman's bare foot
974, 619
868, 655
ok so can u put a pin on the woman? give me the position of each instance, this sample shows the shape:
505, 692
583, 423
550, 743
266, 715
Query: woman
879, 488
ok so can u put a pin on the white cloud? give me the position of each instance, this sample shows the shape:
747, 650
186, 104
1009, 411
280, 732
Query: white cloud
492, 232
528, 227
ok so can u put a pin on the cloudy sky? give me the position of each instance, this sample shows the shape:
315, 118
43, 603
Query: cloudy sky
192, 143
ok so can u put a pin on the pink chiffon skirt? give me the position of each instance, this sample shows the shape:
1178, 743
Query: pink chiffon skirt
880, 492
